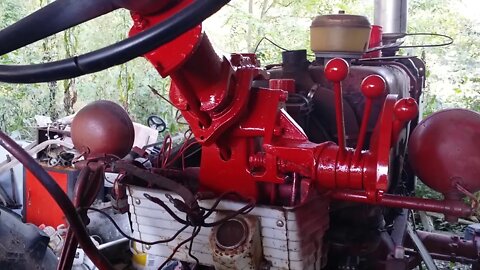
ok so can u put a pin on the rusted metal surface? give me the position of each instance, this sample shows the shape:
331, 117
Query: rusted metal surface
292, 238
237, 243
231, 234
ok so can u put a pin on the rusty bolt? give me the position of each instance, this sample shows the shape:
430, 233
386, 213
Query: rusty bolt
280, 223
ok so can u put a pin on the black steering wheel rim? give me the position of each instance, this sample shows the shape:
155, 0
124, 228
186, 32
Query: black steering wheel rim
117, 53
157, 123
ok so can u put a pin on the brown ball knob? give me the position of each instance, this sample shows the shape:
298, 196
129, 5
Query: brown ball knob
103, 127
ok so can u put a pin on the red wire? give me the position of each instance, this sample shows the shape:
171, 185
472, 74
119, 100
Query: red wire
168, 146
164, 151
185, 146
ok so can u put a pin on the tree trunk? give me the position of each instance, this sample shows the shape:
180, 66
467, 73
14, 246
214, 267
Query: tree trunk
250, 45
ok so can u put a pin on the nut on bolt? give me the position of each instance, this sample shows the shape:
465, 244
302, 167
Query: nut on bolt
280, 223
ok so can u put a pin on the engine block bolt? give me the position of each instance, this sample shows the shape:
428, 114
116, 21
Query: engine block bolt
257, 160
280, 223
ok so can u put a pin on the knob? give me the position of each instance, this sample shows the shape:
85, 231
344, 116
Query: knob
406, 109
373, 86
336, 70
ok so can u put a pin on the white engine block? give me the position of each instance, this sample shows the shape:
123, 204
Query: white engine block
276, 237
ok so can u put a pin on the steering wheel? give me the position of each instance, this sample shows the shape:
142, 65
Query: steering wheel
156, 123
63, 14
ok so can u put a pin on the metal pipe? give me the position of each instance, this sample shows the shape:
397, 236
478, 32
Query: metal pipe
391, 15
421, 249
62, 200
113, 243
451, 208
448, 247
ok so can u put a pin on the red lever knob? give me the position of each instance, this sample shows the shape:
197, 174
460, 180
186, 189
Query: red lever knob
406, 109
373, 86
336, 70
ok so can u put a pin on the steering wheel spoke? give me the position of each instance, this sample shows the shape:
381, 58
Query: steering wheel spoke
156, 123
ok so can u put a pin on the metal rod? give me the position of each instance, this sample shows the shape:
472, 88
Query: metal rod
113, 243
453, 208
449, 245
363, 130
399, 228
420, 247
339, 116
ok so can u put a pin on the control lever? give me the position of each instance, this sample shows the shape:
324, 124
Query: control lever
372, 87
336, 70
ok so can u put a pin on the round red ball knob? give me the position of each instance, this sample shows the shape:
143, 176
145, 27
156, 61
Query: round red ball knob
336, 70
373, 86
406, 109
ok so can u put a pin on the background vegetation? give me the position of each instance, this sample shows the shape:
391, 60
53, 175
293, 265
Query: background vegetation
454, 71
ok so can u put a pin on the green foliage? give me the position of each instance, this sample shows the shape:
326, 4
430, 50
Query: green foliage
240, 26
126, 84
424, 191
454, 70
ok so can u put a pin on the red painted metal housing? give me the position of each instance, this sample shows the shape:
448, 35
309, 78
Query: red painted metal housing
251, 145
